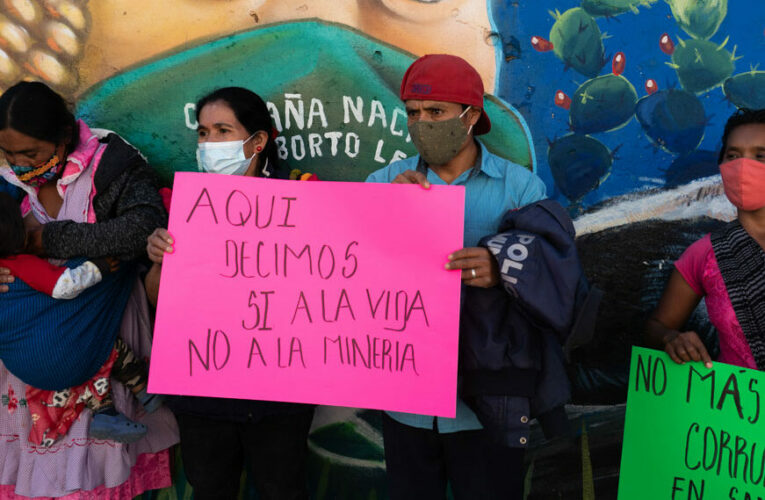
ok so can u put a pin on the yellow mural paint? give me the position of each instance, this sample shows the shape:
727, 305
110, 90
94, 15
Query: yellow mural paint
26, 11
46, 66
68, 11
43, 39
126, 32
10, 72
62, 39
13, 38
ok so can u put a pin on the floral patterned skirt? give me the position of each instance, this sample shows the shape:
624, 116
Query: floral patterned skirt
77, 466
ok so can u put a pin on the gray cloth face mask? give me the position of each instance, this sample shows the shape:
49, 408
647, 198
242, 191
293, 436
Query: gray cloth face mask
439, 142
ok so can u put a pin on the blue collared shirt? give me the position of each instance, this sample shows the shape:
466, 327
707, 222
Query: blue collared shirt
491, 189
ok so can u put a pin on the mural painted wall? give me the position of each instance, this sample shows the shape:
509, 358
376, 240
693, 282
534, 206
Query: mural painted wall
642, 88
617, 104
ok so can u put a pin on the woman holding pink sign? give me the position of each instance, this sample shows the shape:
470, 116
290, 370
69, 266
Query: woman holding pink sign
726, 267
235, 138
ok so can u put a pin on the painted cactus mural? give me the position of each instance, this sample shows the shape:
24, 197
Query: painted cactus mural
602, 104
746, 90
577, 41
609, 8
673, 119
699, 18
579, 163
672, 114
702, 65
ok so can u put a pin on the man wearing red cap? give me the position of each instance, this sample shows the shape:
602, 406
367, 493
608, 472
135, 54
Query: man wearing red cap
443, 95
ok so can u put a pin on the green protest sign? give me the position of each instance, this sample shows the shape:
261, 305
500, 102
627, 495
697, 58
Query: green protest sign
692, 432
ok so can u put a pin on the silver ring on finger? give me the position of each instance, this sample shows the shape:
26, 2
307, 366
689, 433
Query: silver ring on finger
473, 273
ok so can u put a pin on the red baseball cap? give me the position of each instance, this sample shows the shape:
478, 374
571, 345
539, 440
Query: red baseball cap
443, 77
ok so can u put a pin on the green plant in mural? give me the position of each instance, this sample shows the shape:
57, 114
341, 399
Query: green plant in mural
577, 41
673, 119
346, 459
746, 90
702, 65
609, 8
602, 104
579, 163
699, 18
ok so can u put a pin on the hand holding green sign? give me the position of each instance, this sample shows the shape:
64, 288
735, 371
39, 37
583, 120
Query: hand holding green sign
692, 432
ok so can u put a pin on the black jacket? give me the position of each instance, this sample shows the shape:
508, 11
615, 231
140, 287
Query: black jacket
127, 205
512, 336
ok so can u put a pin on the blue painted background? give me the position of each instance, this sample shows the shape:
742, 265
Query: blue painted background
528, 79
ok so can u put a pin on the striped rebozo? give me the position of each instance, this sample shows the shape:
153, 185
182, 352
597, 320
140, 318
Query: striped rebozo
54, 344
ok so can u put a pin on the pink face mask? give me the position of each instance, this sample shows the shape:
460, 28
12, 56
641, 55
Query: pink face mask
744, 183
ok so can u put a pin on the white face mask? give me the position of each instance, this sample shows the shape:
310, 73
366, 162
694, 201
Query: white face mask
223, 157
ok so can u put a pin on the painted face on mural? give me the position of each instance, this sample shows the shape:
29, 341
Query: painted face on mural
423, 26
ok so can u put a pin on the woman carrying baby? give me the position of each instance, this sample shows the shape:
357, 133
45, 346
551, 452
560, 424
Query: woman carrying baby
91, 195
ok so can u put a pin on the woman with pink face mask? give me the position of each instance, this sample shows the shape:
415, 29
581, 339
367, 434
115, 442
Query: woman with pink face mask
726, 267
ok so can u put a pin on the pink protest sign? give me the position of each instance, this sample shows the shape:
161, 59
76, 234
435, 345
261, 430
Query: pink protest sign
314, 292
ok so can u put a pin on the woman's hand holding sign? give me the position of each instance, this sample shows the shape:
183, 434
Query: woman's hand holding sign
157, 245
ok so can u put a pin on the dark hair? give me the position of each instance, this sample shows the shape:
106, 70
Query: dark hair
33, 109
12, 232
743, 116
251, 111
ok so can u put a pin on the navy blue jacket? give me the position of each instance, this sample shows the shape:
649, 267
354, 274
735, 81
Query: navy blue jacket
512, 362
10, 189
